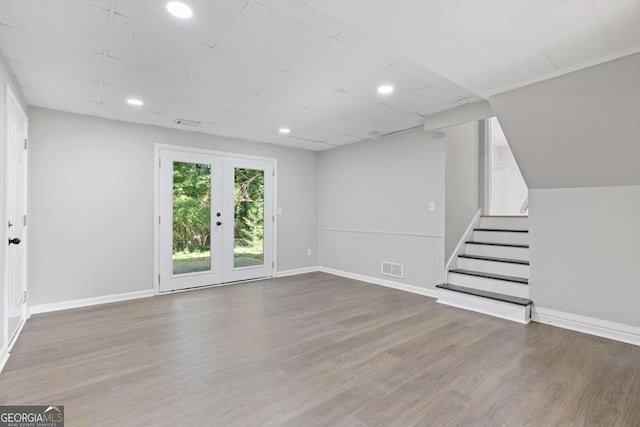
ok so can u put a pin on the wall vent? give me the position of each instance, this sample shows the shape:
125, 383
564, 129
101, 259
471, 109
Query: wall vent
392, 269
188, 123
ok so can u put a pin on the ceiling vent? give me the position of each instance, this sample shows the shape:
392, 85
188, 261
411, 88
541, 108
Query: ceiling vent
392, 269
187, 123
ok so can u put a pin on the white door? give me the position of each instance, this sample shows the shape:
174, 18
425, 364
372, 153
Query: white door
15, 209
190, 237
216, 219
248, 218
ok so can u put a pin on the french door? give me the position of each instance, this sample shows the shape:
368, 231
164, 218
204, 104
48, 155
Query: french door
15, 214
216, 219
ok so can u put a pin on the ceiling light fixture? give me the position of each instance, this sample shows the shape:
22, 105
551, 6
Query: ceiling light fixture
135, 102
179, 10
284, 130
385, 89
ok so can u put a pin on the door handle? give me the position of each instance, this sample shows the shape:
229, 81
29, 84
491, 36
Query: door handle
218, 223
14, 241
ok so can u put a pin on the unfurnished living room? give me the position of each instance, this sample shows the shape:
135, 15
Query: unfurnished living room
320, 213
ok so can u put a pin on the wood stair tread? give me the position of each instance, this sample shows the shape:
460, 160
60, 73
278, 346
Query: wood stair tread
511, 245
520, 280
484, 294
500, 230
488, 258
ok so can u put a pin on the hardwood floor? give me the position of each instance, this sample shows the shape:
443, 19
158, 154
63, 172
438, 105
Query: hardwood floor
313, 350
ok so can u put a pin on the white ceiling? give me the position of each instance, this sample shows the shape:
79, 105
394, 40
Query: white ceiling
490, 46
245, 68
242, 68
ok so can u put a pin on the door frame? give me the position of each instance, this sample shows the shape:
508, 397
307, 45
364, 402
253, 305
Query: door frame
10, 341
156, 206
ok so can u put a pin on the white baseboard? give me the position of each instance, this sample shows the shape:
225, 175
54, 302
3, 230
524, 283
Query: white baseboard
4, 357
382, 282
86, 302
501, 309
297, 271
588, 325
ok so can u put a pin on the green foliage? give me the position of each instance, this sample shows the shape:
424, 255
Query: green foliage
249, 210
192, 212
191, 207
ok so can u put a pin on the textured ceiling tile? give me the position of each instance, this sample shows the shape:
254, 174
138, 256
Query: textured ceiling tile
210, 19
163, 51
619, 23
26, 15
103, 4
54, 84
117, 97
302, 14
130, 76
77, 23
199, 113
25, 48
68, 103
265, 39
128, 114
568, 32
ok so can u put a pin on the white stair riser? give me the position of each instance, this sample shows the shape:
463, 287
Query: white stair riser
504, 310
501, 237
490, 285
504, 268
505, 223
498, 251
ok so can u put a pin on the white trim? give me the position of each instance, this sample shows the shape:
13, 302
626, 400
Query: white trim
567, 70
490, 307
3, 359
156, 202
470, 112
87, 302
588, 325
392, 233
296, 271
14, 339
382, 282
465, 237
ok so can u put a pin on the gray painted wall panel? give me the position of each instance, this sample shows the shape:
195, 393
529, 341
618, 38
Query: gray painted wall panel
585, 251
578, 130
384, 185
462, 181
91, 203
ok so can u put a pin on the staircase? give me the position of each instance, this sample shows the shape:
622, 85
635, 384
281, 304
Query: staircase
491, 276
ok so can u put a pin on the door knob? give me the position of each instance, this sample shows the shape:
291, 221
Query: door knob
14, 241
218, 223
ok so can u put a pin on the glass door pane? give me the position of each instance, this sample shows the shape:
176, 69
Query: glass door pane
191, 218
248, 232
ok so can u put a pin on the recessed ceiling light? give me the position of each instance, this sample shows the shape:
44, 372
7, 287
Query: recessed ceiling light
284, 130
179, 10
136, 102
385, 89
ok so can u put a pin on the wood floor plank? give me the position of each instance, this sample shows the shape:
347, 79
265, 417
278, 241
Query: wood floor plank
315, 350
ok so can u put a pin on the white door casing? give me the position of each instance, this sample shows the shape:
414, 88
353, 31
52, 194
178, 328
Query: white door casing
223, 168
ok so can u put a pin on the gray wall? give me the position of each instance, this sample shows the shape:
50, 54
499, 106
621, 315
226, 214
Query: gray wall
6, 78
91, 203
576, 140
578, 130
585, 251
462, 181
374, 206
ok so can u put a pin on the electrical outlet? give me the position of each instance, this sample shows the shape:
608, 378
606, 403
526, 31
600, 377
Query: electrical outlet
279, 211
432, 206
308, 252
